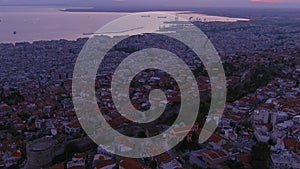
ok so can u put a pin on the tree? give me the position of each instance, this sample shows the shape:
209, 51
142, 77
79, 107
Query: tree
260, 154
13, 131
186, 158
234, 164
153, 164
195, 166
238, 129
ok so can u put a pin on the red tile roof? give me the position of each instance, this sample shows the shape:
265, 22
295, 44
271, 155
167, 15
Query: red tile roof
291, 143
163, 158
58, 166
104, 163
79, 155
213, 154
129, 163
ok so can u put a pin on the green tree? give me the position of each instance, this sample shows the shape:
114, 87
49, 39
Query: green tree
234, 164
152, 164
195, 166
260, 154
186, 158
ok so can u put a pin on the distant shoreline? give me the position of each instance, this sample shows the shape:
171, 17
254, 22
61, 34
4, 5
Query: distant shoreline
93, 9
235, 12
150, 9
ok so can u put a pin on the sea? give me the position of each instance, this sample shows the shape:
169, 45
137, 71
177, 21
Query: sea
35, 23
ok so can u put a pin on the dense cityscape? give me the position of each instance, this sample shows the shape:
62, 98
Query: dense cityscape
260, 126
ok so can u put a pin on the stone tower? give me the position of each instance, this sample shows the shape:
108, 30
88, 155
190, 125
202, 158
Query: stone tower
40, 153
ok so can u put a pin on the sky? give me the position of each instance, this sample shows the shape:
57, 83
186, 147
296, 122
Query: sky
159, 3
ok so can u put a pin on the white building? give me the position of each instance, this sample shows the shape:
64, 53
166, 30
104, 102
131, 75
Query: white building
77, 161
173, 164
278, 117
261, 116
261, 134
69, 129
284, 160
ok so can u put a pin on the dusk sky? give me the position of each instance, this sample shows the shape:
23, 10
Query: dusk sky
160, 3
